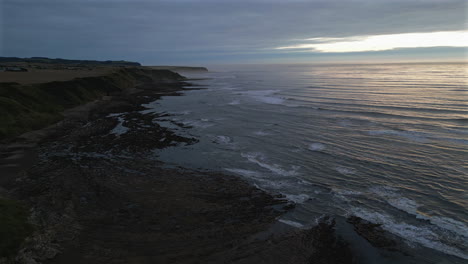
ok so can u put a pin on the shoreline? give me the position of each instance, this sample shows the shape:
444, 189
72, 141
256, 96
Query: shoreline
94, 185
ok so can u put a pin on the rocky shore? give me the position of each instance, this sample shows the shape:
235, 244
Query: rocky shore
96, 193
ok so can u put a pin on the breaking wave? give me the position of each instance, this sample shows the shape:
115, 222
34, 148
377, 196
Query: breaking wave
261, 160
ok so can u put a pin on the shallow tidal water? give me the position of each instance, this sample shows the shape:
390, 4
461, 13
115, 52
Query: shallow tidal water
387, 143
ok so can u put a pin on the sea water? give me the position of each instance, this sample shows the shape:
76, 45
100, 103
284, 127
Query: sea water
387, 143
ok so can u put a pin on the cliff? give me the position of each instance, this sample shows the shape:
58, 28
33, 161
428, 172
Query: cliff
34, 106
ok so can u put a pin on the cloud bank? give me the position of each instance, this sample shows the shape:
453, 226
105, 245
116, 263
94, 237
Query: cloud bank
384, 42
187, 31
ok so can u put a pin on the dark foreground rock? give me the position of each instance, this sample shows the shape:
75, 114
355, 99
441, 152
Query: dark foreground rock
127, 211
375, 234
317, 245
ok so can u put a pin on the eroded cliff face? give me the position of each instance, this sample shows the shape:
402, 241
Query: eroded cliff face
29, 107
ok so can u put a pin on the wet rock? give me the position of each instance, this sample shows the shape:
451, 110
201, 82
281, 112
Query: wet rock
373, 233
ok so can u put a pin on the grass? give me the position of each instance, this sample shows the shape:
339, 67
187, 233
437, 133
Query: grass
29, 107
14, 227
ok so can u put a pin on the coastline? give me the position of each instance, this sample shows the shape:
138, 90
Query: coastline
97, 194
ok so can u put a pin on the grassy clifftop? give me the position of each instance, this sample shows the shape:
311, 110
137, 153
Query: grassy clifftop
28, 107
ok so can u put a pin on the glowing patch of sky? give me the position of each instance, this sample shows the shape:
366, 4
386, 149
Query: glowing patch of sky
384, 42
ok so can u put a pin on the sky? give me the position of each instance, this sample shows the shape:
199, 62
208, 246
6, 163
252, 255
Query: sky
189, 32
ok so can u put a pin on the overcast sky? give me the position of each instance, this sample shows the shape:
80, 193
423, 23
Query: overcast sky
227, 31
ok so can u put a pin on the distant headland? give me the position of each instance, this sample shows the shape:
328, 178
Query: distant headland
67, 61
18, 64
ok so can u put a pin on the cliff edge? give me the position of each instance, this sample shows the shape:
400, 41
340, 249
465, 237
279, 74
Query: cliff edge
27, 107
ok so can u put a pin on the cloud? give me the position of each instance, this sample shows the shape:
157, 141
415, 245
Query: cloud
168, 31
385, 42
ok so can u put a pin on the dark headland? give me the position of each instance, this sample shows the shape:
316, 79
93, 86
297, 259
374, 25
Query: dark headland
75, 189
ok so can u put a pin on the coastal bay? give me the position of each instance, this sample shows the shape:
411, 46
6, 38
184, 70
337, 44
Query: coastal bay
96, 193
245, 132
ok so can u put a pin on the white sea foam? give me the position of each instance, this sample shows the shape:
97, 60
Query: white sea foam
346, 192
422, 235
246, 173
304, 182
260, 160
269, 184
222, 140
404, 204
119, 129
317, 146
271, 100
345, 195
291, 223
265, 96
384, 191
261, 133
449, 224
297, 198
345, 170
392, 197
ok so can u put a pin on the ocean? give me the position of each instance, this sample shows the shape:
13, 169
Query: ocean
384, 142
